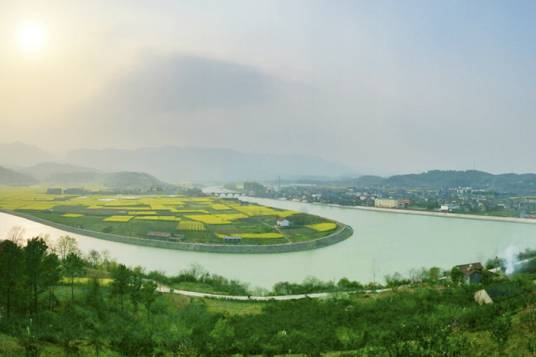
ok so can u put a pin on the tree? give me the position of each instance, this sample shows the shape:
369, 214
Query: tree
94, 258
120, 284
96, 335
16, 235
134, 287
41, 269
65, 246
434, 274
73, 266
51, 276
456, 275
10, 271
94, 295
395, 280
70, 330
148, 295
222, 336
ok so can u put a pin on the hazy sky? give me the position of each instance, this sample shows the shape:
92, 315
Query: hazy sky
382, 86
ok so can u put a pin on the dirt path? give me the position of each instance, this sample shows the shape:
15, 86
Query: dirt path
167, 289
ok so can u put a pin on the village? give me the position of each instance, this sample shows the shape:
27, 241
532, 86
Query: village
462, 200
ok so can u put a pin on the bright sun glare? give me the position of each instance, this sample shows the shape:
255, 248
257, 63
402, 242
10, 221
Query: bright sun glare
31, 37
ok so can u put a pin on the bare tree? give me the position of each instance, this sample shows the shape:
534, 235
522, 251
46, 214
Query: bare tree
16, 235
94, 257
65, 246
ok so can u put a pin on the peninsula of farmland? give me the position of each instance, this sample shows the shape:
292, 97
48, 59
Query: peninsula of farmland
174, 221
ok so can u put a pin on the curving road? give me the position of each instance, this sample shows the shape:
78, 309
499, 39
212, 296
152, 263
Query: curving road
168, 290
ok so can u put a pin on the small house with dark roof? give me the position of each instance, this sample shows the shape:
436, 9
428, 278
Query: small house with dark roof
472, 272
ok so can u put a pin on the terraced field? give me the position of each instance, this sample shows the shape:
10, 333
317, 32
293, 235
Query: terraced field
170, 218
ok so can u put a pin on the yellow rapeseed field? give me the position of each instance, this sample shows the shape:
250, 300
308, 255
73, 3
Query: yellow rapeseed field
208, 218
220, 207
122, 219
190, 226
72, 215
323, 227
159, 218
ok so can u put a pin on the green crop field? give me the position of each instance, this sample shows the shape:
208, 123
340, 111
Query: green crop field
180, 218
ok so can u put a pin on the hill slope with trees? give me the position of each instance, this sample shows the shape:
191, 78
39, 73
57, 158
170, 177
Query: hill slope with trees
437, 179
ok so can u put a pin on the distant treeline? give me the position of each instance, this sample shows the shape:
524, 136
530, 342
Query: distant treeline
437, 179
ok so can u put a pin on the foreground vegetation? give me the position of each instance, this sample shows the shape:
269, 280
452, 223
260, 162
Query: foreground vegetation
169, 218
53, 301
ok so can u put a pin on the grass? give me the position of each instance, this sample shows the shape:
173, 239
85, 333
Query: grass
228, 307
233, 307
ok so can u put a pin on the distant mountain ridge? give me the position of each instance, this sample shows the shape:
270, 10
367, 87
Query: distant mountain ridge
18, 154
51, 173
438, 179
172, 164
114, 180
14, 178
47, 171
175, 164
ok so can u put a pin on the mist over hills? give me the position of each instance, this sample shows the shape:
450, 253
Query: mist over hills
69, 175
170, 164
49, 171
14, 178
174, 164
17, 155
114, 180
22, 164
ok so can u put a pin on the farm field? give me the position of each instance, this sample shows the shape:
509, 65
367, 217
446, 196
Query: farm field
170, 218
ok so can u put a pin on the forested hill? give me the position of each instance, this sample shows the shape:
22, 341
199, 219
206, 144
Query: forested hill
437, 179
10, 177
72, 176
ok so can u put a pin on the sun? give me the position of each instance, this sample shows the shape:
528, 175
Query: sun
31, 37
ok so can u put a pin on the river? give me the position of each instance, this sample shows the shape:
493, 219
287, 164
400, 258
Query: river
383, 243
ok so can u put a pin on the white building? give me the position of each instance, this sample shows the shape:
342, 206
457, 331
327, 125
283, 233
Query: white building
385, 203
283, 223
